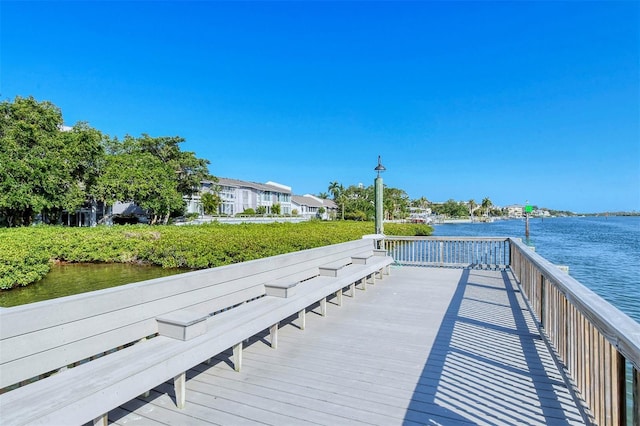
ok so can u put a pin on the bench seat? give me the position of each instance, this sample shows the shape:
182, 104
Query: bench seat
84, 393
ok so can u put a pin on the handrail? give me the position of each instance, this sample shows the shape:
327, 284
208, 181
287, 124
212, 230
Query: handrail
598, 344
595, 340
456, 252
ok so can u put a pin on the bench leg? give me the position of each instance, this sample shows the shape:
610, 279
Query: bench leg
363, 282
303, 318
237, 356
103, 420
323, 307
373, 278
352, 289
180, 389
273, 332
339, 297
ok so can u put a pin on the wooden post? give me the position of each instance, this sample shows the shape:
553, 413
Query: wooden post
303, 319
237, 356
180, 388
101, 421
273, 332
636, 397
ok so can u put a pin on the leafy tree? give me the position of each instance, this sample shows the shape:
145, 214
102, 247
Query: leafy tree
190, 171
396, 203
152, 173
421, 202
143, 179
259, 210
452, 208
43, 169
358, 202
275, 209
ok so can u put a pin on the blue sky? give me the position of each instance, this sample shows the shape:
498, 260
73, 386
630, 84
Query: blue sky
514, 101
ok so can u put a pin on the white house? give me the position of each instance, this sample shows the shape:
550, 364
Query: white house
308, 206
236, 196
515, 210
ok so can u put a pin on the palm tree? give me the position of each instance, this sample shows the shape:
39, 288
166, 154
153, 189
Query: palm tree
337, 190
486, 205
472, 205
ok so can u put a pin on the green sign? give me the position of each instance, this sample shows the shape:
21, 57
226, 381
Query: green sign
528, 209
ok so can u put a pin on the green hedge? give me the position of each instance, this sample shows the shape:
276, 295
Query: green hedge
26, 253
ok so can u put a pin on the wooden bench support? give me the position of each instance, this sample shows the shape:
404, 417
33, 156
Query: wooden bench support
103, 420
303, 319
273, 334
352, 290
180, 388
323, 307
363, 283
237, 356
339, 297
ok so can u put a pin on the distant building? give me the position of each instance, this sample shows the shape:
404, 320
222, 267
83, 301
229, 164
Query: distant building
236, 196
420, 214
308, 206
516, 211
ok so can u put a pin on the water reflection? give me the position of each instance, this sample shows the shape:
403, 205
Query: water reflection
65, 280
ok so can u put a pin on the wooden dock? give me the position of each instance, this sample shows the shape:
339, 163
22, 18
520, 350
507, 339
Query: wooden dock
423, 346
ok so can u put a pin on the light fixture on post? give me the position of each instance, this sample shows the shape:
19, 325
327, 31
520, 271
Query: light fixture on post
378, 194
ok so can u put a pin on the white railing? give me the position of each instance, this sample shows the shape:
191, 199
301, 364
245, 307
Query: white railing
488, 253
598, 344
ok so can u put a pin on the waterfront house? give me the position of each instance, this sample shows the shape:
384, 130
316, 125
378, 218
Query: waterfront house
236, 196
309, 206
515, 211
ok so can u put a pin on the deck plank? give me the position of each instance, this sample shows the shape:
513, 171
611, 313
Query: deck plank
422, 346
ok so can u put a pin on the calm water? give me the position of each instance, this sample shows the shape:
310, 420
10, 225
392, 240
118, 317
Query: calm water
64, 280
603, 253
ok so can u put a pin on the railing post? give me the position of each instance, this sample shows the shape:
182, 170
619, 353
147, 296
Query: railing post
636, 397
543, 302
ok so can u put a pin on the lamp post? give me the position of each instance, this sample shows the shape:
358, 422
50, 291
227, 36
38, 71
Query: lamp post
378, 193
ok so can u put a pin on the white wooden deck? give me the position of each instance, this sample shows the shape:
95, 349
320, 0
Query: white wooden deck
423, 346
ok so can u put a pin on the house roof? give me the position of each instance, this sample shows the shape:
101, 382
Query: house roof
312, 201
303, 200
269, 186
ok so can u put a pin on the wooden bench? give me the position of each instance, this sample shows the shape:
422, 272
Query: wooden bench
144, 334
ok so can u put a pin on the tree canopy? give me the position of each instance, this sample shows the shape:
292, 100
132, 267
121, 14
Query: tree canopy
357, 202
43, 168
152, 173
46, 168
